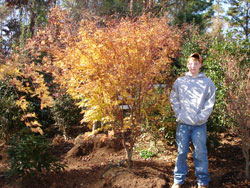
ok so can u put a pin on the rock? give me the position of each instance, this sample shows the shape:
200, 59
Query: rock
85, 144
81, 149
79, 139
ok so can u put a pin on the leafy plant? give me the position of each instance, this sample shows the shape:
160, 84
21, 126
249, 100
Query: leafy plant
25, 79
66, 114
11, 114
160, 121
238, 97
146, 154
170, 136
30, 154
117, 65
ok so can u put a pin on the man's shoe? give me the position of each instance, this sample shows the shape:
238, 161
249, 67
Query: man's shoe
202, 186
175, 185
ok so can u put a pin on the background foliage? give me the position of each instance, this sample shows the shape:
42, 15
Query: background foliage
31, 154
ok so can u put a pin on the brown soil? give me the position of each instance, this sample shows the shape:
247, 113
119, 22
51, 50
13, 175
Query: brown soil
97, 167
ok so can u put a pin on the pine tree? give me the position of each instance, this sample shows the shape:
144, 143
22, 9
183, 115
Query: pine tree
218, 21
239, 16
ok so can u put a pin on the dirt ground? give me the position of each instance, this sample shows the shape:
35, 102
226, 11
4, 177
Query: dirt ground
103, 167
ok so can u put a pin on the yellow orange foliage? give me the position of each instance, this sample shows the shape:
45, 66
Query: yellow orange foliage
24, 76
115, 65
105, 66
23, 71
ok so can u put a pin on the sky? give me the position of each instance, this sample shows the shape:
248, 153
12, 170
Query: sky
225, 6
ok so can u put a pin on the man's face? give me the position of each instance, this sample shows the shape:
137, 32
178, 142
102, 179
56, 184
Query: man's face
194, 66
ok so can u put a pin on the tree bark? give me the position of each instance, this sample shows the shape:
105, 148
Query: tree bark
131, 2
129, 156
32, 18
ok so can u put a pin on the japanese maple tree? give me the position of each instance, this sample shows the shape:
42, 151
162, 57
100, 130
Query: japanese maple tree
115, 66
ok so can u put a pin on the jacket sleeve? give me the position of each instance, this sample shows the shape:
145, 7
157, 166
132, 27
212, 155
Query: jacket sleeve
174, 99
206, 111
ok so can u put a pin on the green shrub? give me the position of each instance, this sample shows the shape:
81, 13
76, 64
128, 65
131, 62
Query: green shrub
146, 154
30, 154
10, 119
66, 114
169, 134
160, 122
219, 119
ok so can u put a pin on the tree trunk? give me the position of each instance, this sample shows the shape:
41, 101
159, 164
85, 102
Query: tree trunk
247, 21
32, 18
128, 141
131, 6
245, 150
247, 165
150, 4
129, 157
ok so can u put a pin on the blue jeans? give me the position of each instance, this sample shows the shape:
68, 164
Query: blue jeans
198, 136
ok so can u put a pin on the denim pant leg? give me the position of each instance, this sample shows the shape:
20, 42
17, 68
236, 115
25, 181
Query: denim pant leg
199, 138
183, 138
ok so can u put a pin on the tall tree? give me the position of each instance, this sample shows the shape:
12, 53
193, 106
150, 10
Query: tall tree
29, 15
6, 22
180, 11
239, 15
77, 8
218, 21
4, 11
196, 12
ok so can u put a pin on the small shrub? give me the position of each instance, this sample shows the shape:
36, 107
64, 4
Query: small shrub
10, 119
146, 154
30, 154
170, 136
212, 141
66, 114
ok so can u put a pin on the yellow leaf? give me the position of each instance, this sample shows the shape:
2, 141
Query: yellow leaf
35, 123
22, 103
37, 130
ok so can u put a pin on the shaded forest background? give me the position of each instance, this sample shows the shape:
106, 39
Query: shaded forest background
45, 90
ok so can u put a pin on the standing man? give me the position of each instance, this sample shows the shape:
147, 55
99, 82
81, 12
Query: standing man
192, 98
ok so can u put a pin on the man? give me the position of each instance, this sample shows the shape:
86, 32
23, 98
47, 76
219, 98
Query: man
192, 98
